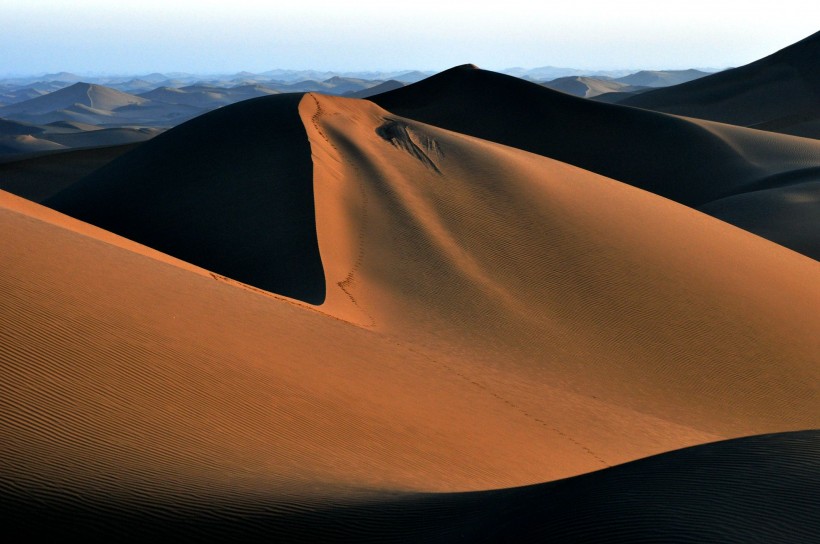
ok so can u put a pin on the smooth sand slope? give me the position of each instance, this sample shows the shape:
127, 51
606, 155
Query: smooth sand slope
780, 93
492, 318
691, 161
560, 275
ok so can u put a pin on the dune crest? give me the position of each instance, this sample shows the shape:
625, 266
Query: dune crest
531, 267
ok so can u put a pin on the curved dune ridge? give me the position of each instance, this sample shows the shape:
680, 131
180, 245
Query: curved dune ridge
691, 161
489, 318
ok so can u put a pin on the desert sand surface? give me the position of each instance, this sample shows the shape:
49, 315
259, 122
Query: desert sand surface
480, 318
778, 93
468, 309
691, 161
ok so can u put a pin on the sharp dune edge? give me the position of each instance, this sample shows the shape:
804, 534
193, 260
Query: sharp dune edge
491, 319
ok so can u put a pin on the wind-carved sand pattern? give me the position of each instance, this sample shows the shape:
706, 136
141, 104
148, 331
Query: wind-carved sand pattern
421, 146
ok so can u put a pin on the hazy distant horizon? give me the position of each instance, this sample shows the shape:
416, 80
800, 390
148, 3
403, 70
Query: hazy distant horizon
113, 75
103, 38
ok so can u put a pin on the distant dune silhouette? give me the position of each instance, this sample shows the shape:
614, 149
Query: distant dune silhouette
780, 93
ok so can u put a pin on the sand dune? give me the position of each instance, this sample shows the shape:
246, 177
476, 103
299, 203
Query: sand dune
690, 161
761, 488
787, 215
86, 94
240, 206
207, 97
103, 137
587, 87
26, 145
391, 250
470, 317
779, 93
390, 85
566, 292
17, 128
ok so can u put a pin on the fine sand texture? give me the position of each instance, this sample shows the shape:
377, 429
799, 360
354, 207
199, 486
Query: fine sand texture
780, 93
478, 318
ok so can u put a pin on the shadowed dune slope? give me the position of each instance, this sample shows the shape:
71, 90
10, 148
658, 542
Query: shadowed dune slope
780, 92
761, 489
229, 191
692, 162
130, 375
788, 215
38, 178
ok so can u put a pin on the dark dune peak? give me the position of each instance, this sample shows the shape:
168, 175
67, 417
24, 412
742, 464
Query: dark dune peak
230, 191
689, 162
780, 93
762, 488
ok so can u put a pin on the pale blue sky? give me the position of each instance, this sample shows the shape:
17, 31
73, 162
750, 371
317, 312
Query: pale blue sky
125, 36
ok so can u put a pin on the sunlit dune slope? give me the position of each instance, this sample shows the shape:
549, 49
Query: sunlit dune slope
690, 161
489, 318
573, 280
128, 374
526, 275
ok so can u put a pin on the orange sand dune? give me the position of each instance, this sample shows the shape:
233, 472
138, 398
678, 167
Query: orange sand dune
491, 318
528, 266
